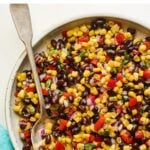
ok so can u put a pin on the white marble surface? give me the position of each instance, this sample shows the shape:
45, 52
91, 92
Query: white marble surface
45, 16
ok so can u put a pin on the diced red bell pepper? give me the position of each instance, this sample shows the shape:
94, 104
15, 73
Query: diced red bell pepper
26, 134
127, 138
50, 67
119, 77
139, 134
132, 102
47, 77
111, 83
30, 89
45, 92
118, 109
119, 38
101, 40
107, 57
63, 124
64, 33
83, 39
94, 61
99, 123
59, 146
147, 43
66, 94
91, 138
146, 74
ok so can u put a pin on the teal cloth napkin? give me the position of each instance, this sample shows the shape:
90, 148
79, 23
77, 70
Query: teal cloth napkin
5, 142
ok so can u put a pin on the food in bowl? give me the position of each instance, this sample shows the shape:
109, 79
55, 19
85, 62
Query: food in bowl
95, 81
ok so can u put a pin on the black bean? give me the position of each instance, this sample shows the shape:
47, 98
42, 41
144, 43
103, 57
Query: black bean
135, 145
83, 102
47, 139
106, 26
48, 111
107, 140
27, 146
131, 30
56, 133
94, 25
73, 124
60, 44
76, 130
22, 125
70, 98
63, 115
100, 22
86, 120
121, 52
95, 109
147, 100
121, 145
134, 120
129, 111
135, 127
148, 127
53, 63
111, 53
95, 117
26, 101
81, 108
146, 108
110, 106
147, 38
111, 93
54, 43
47, 100
25, 113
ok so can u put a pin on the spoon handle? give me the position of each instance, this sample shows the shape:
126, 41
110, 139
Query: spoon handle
21, 18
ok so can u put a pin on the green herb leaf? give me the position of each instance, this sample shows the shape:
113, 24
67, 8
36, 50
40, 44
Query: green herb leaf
82, 54
89, 146
55, 107
105, 133
48, 83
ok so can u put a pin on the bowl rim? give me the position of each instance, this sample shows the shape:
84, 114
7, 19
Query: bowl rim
35, 42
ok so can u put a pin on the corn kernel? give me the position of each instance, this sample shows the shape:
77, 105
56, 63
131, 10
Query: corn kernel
127, 147
142, 48
80, 146
91, 55
91, 33
21, 76
147, 92
53, 86
144, 121
96, 69
34, 100
37, 115
74, 74
136, 58
21, 94
129, 127
86, 73
32, 119
143, 147
139, 98
134, 112
132, 94
93, 90
69, 33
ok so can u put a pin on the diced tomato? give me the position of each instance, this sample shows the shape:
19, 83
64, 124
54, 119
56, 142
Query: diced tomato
111, 83
94, 61
146, 74
99, 123
118, 109
26, 134
28, 140
45, 92
147, 43
119, 77
47, 77
30, 89
68, 132
119, 38
38, 70
135, 52
107, 57
63, 124
66, 94
98, 139
101, 40
64, 33
91, 97
91, 138
132, 102
50, 67
127, 138
83, 39
139, 134
59, 146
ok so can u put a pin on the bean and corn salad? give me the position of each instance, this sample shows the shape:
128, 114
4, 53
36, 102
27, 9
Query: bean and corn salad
95, 81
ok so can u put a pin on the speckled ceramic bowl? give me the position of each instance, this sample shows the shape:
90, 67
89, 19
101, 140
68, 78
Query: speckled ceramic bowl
40, 45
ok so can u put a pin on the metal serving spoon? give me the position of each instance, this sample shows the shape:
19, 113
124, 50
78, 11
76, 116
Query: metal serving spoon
21, 18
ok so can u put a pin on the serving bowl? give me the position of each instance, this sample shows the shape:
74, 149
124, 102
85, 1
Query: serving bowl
40, 45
